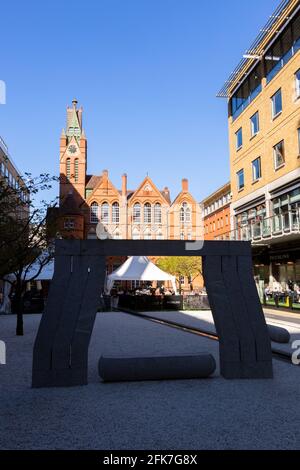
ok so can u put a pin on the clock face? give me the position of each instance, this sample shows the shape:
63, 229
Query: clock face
72, 149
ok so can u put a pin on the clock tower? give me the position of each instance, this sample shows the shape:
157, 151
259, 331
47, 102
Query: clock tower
73, 157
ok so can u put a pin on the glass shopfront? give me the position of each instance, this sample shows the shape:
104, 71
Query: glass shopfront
250, 223
286, 211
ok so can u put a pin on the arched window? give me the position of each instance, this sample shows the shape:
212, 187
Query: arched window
147, 234
136, 234
117, 236
188, 215
182, 214
185, 214
94, 213
137, 213
147, 213
159, 235
68, 168
157, 213
115, 213
76, 168
105, 213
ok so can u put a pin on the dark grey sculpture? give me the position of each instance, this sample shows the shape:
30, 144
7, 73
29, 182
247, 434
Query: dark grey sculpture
61, 348
183, 366
278, 334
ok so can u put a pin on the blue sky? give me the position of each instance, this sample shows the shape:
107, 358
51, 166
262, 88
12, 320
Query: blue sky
146, 73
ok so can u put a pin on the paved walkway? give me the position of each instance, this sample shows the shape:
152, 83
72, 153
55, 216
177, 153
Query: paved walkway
204, 320
195, 414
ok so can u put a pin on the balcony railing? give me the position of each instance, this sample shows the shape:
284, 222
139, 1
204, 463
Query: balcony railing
268, 228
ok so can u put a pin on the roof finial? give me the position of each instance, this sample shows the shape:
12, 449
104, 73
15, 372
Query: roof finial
74, 102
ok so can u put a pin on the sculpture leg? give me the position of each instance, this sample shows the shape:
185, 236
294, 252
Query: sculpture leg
245, 350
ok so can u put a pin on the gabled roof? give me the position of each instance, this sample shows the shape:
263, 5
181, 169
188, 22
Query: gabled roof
182, 195
148, 180
92, 181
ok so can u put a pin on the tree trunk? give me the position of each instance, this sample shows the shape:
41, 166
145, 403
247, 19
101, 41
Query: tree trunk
19, 309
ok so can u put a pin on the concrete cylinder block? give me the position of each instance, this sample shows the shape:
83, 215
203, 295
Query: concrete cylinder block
190, 366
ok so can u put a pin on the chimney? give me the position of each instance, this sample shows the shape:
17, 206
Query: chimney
105, 175
185, 185
124, 184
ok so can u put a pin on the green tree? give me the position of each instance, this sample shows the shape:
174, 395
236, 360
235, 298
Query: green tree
24, 234
188, 266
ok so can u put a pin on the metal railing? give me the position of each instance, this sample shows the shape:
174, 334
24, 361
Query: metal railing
268, 228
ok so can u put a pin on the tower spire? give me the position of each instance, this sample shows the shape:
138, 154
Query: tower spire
74, 120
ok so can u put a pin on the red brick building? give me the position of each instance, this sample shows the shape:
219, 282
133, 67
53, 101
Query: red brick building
216, 209
92, 206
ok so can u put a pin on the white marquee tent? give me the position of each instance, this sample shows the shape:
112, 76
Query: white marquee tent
139, 268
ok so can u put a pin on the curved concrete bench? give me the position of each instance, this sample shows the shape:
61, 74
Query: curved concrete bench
189, 366
278, 334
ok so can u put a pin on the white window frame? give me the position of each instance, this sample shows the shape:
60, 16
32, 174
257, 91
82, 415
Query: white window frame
105, 212
136, 213
115, 213
273, 100
275, 155
157, 213
254, 178
239, 132
147, 213
240, 188
297, 84
94, 213
253, 132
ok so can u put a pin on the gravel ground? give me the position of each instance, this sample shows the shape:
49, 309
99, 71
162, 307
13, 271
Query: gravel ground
195, 414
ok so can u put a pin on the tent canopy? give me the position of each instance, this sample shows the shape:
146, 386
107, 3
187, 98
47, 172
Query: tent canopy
139, 268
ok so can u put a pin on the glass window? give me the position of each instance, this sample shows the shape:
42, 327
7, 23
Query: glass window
68, 168
240, 180
69, 223
76, 169
283, 49
147, 213
254, 124
297, 79
256, 169
185, 214
94, 213
137, 213
115, 213
157, 214
279, 159
105, 213
276, 103
136, 235
147, 235
247, 92
239, 138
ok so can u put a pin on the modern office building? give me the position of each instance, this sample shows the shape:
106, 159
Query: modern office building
10, 175
263, 95
216, 210
9, 171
